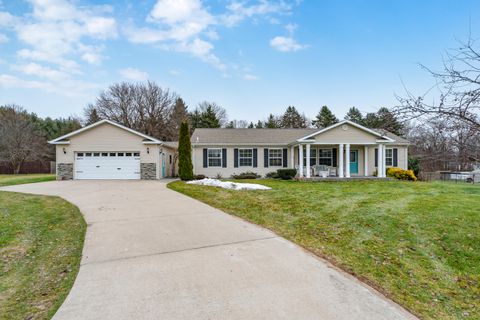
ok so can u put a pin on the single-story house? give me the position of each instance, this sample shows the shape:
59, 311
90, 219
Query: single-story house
345, 149
108, 150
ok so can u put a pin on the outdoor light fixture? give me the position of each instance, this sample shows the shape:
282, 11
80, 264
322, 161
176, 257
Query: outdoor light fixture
64, 151
148, 150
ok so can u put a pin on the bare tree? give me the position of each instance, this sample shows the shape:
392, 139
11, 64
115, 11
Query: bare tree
145, 107
459, 87
20, 139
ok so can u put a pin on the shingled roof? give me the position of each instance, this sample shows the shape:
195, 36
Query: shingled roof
224, 136
249, 136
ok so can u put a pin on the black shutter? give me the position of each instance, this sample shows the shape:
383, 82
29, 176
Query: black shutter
255, 158
285, 157
224, 157
265, 158
235, 158
395, 157
334, 157
205, 158
376, 157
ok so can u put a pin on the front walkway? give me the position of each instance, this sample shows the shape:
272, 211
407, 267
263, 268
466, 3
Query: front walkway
152, 253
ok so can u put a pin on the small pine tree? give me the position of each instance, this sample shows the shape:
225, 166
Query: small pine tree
354, 115
325, 118
185, 166
292, 119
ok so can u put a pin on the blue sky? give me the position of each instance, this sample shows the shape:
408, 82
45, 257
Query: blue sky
251, 57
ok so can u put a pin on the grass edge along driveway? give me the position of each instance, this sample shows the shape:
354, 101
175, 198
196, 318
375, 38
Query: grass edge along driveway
41, 241
13, 179
418, 243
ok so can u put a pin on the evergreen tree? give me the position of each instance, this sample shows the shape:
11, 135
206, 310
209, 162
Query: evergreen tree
251, 125
259, 125
230, 125
384, 119
371, 120
325, 118
185, 166
178, 115
208, 115
91, 115
272, 122
388, 121
354, 115
292, 119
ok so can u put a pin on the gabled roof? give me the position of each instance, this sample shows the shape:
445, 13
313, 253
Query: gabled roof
373, 132
146, 139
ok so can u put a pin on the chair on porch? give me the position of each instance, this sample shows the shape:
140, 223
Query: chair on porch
320, 170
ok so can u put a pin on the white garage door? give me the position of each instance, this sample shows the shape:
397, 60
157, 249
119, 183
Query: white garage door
107, 165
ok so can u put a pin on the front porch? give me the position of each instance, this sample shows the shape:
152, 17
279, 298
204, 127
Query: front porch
331, 162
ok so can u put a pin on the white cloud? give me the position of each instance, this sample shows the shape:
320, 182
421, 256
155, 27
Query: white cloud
35, 69
180, 12
133, 74
185, 25
6, 19
286, 44
3, 38
174, 72
250, 77
291, 27
68, 88
238, 11
58, 31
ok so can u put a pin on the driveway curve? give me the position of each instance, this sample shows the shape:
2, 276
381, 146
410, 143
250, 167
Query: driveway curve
152, 253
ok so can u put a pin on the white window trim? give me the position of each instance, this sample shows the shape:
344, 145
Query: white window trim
331, 156
239, 157
270, 157
208, 158
388, 165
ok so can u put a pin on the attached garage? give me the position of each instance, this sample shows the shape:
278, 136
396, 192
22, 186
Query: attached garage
108, 150
107, 165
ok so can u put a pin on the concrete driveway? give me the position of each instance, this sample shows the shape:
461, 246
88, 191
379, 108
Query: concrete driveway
152, 253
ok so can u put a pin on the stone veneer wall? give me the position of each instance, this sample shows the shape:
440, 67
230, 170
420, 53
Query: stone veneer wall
64, 171
148, 171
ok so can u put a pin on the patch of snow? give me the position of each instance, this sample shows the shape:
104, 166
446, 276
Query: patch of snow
228, 185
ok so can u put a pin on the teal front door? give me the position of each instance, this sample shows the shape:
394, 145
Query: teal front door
354, 161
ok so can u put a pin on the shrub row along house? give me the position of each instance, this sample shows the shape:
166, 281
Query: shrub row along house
107, 150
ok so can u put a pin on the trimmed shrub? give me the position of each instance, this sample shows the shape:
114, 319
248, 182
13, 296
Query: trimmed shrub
185, 166
199, 177
272, 175
286, 174
401, 174
245, 175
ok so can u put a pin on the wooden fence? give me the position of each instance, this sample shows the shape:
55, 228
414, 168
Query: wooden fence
29, 167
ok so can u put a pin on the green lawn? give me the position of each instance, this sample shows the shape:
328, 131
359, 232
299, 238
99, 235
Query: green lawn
41, 240
12, 179
419, 243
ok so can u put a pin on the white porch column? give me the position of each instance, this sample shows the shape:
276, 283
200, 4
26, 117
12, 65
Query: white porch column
381, 162
384, 158
300, 160
340, 160
308, 160
365, 161
347, 160
292, 157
